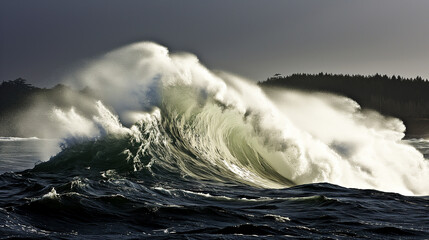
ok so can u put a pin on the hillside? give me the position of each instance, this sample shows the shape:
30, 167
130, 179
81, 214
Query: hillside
18, 100
407, 99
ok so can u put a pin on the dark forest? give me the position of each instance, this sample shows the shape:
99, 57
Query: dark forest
405, 98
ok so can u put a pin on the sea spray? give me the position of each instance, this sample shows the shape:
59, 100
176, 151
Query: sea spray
221, 127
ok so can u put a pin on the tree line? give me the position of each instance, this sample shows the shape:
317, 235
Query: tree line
406, 98
18, 98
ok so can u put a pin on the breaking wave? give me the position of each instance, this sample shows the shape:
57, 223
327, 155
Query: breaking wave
165, 115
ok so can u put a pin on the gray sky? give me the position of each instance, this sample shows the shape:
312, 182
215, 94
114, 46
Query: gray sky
42, 40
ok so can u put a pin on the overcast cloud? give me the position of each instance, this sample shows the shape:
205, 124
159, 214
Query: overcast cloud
42, 40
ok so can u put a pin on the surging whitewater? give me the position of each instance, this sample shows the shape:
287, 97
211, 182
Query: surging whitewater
220, 127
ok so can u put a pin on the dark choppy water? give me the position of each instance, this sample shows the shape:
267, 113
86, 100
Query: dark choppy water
89, 201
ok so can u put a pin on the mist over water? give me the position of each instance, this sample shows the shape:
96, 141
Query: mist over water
220, 127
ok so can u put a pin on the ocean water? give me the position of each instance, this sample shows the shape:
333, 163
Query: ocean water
172, 150
55, 200
17, 154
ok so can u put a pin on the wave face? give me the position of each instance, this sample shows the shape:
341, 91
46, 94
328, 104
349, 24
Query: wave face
185, 119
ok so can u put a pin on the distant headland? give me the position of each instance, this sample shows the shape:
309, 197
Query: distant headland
18, 98
405, 98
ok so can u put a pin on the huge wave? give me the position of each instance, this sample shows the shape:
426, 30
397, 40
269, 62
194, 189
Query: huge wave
165, 114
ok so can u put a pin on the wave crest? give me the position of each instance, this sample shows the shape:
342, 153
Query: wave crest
188, 121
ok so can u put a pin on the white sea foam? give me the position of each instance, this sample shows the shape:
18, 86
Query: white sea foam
17, 139
273, 138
